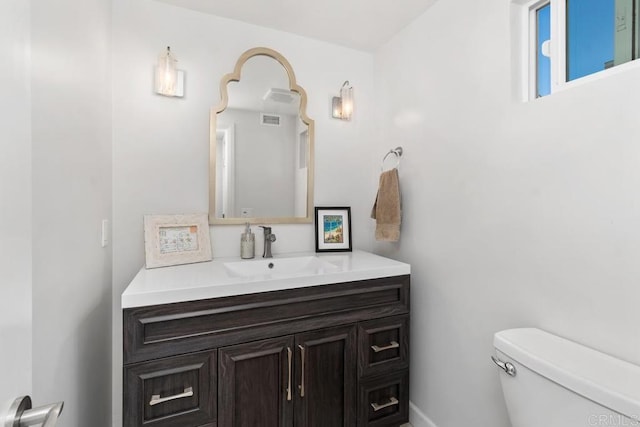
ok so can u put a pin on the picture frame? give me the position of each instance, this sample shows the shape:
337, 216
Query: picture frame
333, 229
176, 239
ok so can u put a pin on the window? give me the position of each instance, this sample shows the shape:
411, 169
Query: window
571, 39
543, 60
592, 37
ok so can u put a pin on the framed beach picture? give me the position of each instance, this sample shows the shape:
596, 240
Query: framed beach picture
176, 239
333, 229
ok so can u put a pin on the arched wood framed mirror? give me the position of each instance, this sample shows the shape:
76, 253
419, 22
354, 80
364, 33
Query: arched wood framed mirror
261, 153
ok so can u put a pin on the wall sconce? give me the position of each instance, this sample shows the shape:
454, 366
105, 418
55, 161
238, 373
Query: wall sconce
169, 80
342, 106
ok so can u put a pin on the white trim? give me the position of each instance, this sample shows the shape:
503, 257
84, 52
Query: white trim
631, 65
532, 44
531, 51
527, 23
558, 45
417, 418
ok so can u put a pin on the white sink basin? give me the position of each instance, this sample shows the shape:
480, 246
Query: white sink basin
279, 267
231, 276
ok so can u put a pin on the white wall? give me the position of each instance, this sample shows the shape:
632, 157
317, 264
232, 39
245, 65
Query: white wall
515, 214
15, 203
264, 162
161, 144
71, 163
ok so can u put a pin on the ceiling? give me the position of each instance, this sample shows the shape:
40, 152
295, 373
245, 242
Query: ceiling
358, 24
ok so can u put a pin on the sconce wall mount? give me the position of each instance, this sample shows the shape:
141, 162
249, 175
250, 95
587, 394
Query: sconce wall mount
342, 106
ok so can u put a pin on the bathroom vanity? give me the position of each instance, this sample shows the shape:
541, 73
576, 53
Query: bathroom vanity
306, 340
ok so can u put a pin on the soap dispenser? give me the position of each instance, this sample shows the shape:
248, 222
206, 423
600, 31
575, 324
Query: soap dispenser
247, 243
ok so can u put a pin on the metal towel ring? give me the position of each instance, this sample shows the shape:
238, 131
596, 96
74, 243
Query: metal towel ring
397, 152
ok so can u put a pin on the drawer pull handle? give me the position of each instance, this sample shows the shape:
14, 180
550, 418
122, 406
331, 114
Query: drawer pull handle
289, 382
393, 344
156, 399
302, 359
392, 401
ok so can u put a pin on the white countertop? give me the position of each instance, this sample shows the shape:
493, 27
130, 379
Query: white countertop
213, 280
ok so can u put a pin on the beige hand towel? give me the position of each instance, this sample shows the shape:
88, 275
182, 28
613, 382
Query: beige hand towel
386, 209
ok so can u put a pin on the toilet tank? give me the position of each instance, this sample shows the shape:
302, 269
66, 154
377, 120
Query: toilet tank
559, 383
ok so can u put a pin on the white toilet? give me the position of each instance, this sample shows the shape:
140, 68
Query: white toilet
550, 381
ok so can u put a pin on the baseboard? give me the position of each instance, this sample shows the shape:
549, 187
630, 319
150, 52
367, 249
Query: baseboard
417, 418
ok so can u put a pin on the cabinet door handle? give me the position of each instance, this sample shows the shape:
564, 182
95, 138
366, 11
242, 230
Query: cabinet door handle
392, 401
302, 358
156, 399
393, 344
289, 382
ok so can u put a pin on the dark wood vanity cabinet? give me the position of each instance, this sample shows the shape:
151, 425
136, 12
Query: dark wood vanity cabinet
326, 378
323, 356
255, 383
293, 380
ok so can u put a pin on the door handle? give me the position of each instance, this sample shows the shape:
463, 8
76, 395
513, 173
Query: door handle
156, 399
21, 414
302, 359
392, 344
392, 401
289, 382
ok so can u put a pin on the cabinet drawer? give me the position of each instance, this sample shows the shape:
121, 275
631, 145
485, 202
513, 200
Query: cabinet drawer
383, 345
384, 400
172, 392
167, 330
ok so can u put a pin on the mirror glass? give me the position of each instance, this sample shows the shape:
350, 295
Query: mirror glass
262, 149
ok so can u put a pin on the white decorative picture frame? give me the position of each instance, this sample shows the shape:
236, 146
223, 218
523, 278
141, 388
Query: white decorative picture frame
176, 239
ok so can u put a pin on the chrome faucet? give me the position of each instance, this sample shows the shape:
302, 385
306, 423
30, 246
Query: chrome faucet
269, 237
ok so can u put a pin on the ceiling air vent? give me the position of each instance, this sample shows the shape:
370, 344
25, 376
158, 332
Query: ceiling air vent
269, 119
282, 96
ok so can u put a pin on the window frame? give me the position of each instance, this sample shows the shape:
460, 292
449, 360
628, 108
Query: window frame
557, 44
557, 47
532, 46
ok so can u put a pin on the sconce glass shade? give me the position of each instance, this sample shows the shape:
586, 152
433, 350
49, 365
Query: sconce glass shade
346, 94
166, 74
342, 106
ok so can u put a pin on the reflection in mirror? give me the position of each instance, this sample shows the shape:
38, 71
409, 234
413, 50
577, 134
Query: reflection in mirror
261, 167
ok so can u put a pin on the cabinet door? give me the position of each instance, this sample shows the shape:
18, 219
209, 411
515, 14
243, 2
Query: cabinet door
326, 378
255, 384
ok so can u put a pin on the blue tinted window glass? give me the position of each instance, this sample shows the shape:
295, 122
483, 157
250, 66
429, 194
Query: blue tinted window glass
590, 36
543, 62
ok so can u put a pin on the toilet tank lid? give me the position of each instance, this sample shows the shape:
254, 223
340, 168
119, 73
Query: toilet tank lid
609, 381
